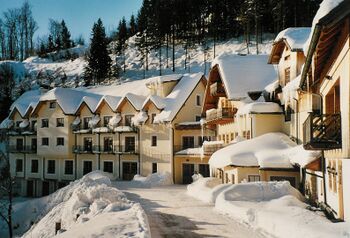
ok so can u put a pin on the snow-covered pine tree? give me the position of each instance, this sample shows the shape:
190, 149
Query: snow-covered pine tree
65, 35
99, 62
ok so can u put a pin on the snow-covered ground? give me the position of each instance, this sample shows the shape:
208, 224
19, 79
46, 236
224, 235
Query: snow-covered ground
172, 213
88, 207
273, 208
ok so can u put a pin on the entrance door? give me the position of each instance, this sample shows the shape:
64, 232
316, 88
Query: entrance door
30, 190
204, 170
129, 170
187, 172
45, 188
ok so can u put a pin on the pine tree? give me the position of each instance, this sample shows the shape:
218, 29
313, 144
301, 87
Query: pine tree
65, 36
50, 44
99, 62
133, 27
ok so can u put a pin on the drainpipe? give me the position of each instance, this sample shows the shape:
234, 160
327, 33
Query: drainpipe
297, 119
75, 155
119, 151
172, 136
138, 148
24, 157
324, 177
98, 154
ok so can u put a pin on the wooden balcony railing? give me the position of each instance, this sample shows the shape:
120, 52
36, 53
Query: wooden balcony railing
221, 114
217, 89
322, 132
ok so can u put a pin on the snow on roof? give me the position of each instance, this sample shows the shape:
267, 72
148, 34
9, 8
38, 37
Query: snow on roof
244, 73
110, 100
157, 100
325, 7
178, 97
135, 100
191, 151
272, 150
272, 86
162, 79
295, 37
259, 107
25, 101
290, 90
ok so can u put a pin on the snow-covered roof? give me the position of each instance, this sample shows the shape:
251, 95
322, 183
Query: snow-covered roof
156, 100
25, 101
162, 79
191, 151
290, 90
325, 7
272, 150
175, 100
259, 107
244, 73
295, 37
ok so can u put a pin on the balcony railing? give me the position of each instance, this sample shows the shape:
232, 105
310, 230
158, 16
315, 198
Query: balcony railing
225, 114
210, 147
19, 131
322, 132
95, 149
217, 89
22, 149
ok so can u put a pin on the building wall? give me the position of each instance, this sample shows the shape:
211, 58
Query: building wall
183, 159
266, 123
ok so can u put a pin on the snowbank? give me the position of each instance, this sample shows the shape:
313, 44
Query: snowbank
276, 208
271, 150
153, 180
88, 207
206, 189
244, 73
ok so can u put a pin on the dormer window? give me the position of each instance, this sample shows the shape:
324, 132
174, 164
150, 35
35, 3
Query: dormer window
52, 105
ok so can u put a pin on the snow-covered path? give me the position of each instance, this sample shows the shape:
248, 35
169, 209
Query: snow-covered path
172, 213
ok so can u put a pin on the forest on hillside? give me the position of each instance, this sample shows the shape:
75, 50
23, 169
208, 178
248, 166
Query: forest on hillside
193, 22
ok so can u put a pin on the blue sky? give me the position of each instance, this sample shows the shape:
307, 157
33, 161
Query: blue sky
79, 15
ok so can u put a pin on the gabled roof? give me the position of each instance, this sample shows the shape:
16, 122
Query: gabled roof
326, 30
156, 100
241, 74
179, 95
26, 101
294, 38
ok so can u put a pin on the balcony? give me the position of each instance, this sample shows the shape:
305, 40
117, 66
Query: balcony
22, 132
210, 147
217, 89
22, 149
78, 149
322, 132
95, 149
220, 116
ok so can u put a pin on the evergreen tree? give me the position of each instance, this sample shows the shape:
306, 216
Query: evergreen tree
65, 35
133, 27
50, 44
99, 62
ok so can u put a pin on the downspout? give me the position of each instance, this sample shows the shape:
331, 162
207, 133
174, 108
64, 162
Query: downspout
43, 168
119, 152
75, 155
99, 152
324, 177
297, 119
172, 136
138, 148
24, 156
251, 126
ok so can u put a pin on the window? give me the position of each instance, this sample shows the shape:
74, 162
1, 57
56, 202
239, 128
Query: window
52, 105
154, 168
45, 141
86, 121
44, 123
287, 57
204, 170
202, 139
152, 117
35, 166
34, 144
198, 100
108, 166
87, 167
253, 178
87, 144
60, 122
19, 144
127, 120
129, 144
68, 167
286, 76
288, 114
154, 141
248, 135
187, 142
60, 141
232, 137
51, 164
198, 118
18, 123
33, 125
106, 120
108, 144
19, 165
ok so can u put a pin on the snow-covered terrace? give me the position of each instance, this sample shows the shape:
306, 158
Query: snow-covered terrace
272, 150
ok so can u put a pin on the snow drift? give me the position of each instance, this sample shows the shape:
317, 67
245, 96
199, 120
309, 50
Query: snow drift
89, 200
153, 180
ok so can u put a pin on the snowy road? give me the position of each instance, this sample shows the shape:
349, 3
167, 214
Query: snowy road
172, 213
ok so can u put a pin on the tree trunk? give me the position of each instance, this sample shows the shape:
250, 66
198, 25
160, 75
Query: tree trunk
160, 58
167, 50
173, 48
256, 28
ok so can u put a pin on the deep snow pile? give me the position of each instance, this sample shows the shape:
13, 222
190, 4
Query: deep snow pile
88, 207
276, 208
153, 180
